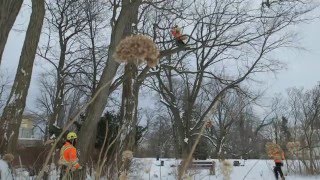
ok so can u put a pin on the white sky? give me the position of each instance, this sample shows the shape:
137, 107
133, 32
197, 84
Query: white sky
303, 66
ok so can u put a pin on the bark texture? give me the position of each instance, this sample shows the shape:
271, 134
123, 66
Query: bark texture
9, 11
12, 113
122, 28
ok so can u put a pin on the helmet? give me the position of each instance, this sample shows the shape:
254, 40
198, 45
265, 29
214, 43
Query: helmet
71, 136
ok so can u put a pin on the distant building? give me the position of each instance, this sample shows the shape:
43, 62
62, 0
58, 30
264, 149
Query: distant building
29, 135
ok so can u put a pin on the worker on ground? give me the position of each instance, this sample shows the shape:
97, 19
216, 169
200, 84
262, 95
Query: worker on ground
68, 157
278, 159
177, 34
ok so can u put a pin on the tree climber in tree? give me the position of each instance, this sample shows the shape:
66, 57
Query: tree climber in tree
180, 41
177, 34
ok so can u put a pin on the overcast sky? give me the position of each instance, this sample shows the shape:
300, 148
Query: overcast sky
303, 66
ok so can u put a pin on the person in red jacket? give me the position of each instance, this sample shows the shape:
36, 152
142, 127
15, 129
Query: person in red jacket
278, 160
177, 34
68, 157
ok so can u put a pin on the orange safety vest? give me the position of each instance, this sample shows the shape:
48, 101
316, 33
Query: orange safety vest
176, 32
68, 156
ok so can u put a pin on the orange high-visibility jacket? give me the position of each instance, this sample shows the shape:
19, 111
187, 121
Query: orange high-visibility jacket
68, 156
176, 32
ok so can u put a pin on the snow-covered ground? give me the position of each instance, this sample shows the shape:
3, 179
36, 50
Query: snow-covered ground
5, 172
147, 168
150, 169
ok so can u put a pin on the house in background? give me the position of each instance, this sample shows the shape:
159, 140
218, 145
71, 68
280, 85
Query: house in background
29, 133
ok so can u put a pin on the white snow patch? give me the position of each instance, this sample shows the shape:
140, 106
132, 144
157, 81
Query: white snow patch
254, 169
23, 72
53, 136
186, 140
5, 171
150, 168
12, 133
5, 136
181, 114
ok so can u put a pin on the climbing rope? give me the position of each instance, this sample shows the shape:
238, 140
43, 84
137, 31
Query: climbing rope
250, 169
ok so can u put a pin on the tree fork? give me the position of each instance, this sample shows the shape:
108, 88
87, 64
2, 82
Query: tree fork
94, 111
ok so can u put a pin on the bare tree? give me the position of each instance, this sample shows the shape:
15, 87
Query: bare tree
74, 98
138, 78
243, 141
65, 20
12, 113
230, 110
305, 111
4, 84
9, 11
223, 35
295, 121
92, 42
158, 140
134, 76
121, 27
224, 47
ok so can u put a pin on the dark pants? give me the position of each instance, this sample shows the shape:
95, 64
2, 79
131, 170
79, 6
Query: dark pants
180, 43
64, 174
277, 170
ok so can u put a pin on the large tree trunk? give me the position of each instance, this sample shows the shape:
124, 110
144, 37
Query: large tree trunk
219, 154
55, 117
128, 107
9, 11
95, 109
187, 117
183, 139
12, 114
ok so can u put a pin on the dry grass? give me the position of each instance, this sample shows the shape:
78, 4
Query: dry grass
8, 157
126, 158
226, 169
137, 49
123, 176
127, 155
273, 150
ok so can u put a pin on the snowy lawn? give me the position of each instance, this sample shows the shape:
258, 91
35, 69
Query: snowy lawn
149, 168
5, 172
